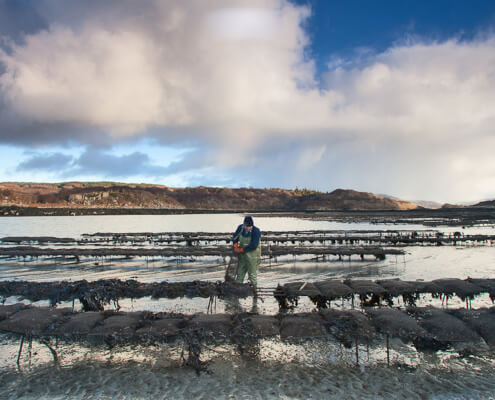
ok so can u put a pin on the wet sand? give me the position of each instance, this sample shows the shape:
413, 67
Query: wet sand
313, 370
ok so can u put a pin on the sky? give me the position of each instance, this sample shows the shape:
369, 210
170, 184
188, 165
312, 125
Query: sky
384, 96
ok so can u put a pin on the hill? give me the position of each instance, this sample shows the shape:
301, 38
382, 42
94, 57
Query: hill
121, 196
486, 203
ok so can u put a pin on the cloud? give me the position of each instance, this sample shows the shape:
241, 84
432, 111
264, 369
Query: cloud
97, 162
94, 162
242, 23
414, 111
45, 162
171, 65
413, 121
193, 162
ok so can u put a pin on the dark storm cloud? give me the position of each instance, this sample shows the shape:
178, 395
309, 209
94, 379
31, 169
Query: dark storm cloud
45, 162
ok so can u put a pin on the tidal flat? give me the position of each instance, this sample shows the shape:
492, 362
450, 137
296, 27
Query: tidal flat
270, 368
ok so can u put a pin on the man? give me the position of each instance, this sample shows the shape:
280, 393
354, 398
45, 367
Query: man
246, 240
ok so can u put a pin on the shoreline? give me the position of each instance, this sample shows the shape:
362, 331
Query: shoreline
465, 216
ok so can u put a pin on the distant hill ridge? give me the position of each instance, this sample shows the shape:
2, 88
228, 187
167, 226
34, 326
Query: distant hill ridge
123, 195
486, 203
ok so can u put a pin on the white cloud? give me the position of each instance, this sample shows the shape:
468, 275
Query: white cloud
242, 23
170, 69
100, 78
411, 121
310, 156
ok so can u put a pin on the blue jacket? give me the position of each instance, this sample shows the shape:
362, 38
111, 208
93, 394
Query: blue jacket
255, 238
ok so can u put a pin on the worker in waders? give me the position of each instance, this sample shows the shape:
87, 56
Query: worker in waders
246, 240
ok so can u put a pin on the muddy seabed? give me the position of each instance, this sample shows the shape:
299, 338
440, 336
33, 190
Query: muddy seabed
311, 373
271, 369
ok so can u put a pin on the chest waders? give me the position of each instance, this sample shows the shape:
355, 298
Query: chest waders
248, 261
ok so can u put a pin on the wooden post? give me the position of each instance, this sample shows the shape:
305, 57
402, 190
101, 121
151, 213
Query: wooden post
357, 350
388, 351
20, 350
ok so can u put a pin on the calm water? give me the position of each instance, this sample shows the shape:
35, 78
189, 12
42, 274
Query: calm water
274, 369
77, 225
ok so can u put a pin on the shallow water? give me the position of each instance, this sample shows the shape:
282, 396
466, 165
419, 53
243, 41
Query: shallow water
74, 226
271, 369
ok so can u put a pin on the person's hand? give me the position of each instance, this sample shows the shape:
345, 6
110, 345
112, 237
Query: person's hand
236, 244
239, 250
